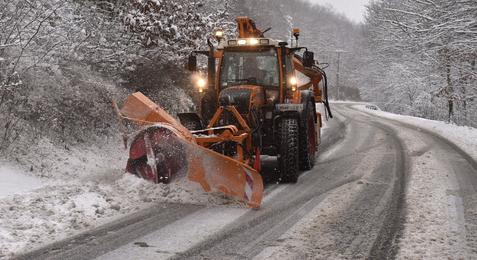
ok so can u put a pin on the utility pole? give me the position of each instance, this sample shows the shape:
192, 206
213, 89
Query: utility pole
338, 73
330, 57
338, 77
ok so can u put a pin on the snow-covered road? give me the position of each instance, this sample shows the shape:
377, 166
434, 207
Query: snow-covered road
380, 188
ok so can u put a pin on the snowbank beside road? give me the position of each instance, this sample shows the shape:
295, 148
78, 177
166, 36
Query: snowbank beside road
13, 181
463, 136
83, 188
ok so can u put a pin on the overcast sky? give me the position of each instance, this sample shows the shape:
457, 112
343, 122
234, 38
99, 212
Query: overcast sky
354, 9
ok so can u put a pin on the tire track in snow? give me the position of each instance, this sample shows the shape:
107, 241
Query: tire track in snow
457, 171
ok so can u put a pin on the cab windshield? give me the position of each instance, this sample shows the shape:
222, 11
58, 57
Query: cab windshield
250, 68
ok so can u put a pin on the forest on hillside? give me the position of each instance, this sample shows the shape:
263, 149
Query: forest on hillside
423, 58
62, 62
410, 57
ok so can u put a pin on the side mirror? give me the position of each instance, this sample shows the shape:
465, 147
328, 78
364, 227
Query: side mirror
308, 59
192, 63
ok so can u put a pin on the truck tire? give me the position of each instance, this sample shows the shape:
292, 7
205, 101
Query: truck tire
308, 139
288, 150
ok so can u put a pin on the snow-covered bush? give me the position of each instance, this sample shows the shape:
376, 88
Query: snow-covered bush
12, 106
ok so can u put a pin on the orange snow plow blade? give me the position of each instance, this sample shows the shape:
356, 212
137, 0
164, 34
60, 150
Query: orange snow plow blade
165, 148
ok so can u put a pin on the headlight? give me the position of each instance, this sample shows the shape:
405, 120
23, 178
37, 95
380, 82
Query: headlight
293, 83
219, 35
201, 84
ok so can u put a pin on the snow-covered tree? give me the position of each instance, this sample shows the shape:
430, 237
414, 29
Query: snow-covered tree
432, 46
61, 62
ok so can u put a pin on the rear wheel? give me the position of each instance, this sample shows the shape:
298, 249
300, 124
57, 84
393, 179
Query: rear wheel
308, 139
288, 149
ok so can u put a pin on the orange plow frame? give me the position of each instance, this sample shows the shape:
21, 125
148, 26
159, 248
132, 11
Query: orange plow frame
213, 171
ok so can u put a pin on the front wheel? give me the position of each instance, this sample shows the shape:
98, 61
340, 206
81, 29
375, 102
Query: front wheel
288, 149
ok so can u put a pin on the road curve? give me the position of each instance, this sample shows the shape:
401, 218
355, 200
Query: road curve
351, 205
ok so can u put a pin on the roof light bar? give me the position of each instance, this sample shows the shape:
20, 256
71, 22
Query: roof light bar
248, 42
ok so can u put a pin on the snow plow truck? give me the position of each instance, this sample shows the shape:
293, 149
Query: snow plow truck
258, 97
